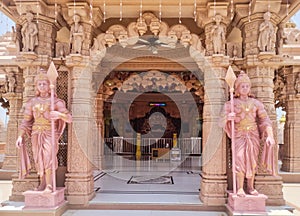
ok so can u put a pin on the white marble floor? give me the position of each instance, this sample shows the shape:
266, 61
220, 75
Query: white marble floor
112, 188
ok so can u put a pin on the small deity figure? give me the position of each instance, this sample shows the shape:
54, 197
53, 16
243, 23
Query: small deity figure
37, 125
29, 33
267, 36
281, 38
251, 125
218, 35
76, 35
279, 89
11, 82
297, 84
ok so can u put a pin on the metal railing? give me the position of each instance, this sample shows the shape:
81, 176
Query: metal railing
121, 145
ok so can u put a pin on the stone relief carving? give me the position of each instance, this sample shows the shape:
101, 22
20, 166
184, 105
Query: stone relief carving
297, 83
281, 39
267, 36
234, 50
279, 91
11, 82
130, 35
62, 49
3, 82
218, 35
76, 35
29, 34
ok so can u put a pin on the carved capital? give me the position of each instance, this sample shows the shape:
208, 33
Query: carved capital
260, 6
36, 7
28, 59
206, 13
84, 11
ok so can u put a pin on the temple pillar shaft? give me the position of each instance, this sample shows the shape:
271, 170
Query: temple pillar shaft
79, 179
291, 152
214, 177
15, 104
262, 87
31, 63
31, 181
100, 134
11, 159
261, 72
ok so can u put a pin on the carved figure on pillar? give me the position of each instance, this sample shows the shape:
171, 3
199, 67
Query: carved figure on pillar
279, 91
218, 35
37, 125
29, 33
11, 82
281, 38
251, 125
297, 83
267, 34
76, 35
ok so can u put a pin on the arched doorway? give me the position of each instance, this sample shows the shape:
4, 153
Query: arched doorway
147, 114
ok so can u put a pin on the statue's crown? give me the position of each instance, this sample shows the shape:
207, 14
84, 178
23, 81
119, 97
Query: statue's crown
242, 78
41, 76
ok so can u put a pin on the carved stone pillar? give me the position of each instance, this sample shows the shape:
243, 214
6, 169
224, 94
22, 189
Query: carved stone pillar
79, 179
30, 69
214, 176
291, 160
100, 127
259, 68
15, 103
31, 63
11, 160
262, 87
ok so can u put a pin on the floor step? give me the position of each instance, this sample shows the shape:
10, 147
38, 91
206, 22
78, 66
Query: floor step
140, 213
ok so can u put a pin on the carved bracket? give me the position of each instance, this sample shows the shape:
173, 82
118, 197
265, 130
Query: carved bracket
131, 35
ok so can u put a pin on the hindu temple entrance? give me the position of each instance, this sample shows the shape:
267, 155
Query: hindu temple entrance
152, 125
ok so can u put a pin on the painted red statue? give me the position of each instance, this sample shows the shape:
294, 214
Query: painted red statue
37, 125
251, 125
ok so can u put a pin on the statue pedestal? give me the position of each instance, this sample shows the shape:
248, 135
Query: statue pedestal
41, 200
249, 204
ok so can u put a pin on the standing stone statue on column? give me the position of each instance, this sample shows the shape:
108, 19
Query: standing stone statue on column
267, 34
218, 35
251, 125
76, 35
37, 125
11, 82
29, 33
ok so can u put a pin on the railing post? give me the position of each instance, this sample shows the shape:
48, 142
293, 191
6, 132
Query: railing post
138, 153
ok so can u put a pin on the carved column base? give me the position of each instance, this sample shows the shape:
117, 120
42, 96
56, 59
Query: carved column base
213, 190
9, 163
271, 186
80, 188
22, 185
290, 164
